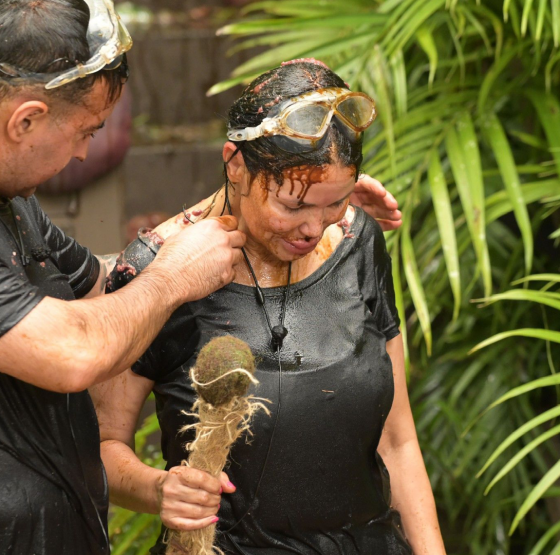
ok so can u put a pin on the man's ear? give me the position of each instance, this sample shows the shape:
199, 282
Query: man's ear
234, 162
26, 118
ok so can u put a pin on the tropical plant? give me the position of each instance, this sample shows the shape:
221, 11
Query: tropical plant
468, 139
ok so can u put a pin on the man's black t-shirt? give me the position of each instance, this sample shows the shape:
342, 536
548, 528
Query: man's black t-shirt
53, 493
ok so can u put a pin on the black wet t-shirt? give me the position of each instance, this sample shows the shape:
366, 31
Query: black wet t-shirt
323, 488
52, 484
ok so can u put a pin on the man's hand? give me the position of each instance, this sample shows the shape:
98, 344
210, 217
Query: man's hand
189, 498
199, 259
370, 195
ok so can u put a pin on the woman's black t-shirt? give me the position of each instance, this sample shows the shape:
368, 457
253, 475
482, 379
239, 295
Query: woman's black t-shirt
309, 480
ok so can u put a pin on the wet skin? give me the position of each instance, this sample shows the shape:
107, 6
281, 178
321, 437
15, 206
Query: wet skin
37, 143
292, 222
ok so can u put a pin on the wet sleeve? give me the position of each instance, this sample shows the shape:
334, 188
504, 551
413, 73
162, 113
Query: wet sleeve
17, 298
385, 309
73, 260
131, 262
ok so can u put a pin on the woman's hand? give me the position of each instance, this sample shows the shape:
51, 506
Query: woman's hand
190, 498
186, 498
374, 199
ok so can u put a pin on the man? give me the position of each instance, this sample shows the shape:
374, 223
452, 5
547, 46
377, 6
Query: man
62, 67
52, 485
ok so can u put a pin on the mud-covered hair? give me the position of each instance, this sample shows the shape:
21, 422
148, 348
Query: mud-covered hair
262, 156
36, 33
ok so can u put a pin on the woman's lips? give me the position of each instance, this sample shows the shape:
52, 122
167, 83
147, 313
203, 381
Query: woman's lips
300, 246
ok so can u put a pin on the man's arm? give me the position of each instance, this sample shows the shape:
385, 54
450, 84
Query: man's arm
68, 346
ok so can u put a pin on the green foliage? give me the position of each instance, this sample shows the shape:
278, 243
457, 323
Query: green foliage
468, 139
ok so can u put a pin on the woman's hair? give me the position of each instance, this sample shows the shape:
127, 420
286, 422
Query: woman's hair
262, 156
49, 36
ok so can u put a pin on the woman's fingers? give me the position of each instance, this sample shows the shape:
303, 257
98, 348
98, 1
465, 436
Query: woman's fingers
196, 479
179, 523
190, 498
227, 486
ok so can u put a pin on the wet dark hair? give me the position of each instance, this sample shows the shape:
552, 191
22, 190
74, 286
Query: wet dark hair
49, 36
262, 156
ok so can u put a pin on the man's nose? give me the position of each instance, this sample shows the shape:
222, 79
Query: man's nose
81, 151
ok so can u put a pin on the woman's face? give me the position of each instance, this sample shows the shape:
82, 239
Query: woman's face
289, 220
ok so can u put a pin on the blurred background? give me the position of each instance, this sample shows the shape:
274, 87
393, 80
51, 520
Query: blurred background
162, 145
468, 140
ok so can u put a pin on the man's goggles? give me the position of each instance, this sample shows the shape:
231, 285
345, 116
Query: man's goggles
306, 118
108, 41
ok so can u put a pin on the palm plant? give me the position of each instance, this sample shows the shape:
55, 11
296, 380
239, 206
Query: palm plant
468, 139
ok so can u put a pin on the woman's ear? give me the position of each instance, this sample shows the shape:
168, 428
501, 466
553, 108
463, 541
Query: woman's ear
234, 162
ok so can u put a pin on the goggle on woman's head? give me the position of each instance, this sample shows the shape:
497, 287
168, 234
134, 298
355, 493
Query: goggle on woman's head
300, 124
108, 40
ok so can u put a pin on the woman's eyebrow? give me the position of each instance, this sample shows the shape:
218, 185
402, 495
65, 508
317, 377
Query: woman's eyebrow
301, 203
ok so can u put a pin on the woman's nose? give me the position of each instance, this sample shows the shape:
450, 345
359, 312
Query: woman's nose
313, 226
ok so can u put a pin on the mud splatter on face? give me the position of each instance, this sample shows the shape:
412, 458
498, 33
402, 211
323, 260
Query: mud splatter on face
306, 176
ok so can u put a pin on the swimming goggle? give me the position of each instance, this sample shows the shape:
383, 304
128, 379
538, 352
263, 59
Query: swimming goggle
108, 41
305, 119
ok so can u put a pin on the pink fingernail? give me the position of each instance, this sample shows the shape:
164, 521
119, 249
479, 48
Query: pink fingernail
221, 490
215, 519
231, 485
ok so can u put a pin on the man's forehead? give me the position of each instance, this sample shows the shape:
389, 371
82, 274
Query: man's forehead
93, 110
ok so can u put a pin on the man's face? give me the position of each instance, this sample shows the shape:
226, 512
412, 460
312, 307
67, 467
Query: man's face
53, 141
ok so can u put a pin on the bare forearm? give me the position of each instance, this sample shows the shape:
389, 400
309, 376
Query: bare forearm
116, 329
412, 496
76, 344
132, 484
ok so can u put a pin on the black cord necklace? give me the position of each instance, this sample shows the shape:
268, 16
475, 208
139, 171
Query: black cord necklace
279, 331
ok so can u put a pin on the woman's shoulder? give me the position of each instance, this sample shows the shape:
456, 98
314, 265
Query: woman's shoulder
367, 225
142, 251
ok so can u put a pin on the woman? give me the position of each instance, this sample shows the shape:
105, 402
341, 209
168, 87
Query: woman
315, 302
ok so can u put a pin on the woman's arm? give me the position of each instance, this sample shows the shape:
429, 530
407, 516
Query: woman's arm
185, 498
411, 491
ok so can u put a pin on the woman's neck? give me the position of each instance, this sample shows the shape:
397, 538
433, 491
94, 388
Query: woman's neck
269, 270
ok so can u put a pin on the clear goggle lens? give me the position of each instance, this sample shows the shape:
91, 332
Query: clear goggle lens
311, 119
357, 111
308, 120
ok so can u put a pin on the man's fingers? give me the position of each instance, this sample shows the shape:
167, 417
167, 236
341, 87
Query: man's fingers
390, 201
388, 225
229, 223
367, 184
237, 238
